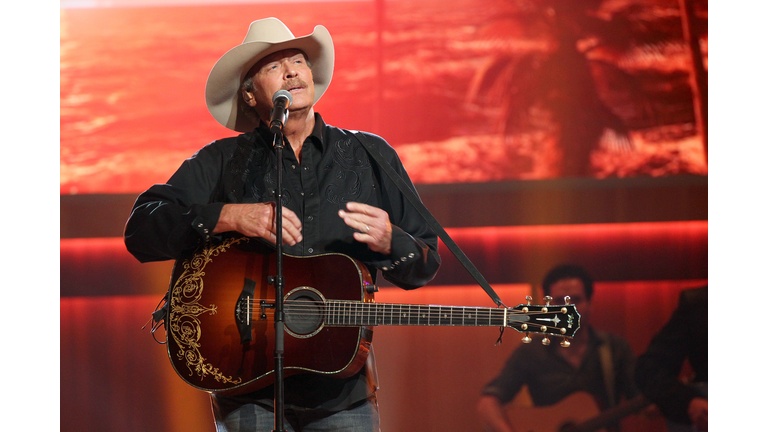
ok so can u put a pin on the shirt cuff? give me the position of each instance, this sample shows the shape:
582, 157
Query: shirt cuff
404, 249
206, 220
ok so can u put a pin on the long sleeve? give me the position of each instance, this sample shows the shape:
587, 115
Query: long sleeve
171, 218
414, 260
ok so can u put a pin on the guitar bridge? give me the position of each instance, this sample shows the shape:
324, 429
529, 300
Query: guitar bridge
244, 310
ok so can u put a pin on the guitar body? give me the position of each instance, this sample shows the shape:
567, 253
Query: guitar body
569, 412
220, 320
577, 412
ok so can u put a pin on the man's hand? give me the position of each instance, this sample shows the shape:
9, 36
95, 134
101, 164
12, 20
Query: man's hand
698, 411
258, 220
372, 224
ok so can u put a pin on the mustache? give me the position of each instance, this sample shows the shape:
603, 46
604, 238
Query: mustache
298, 82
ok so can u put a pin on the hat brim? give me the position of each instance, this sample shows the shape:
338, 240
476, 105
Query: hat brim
223, 86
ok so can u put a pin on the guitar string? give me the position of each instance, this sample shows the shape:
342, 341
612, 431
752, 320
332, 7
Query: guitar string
315, 303
393, 308
378, 312
346, 307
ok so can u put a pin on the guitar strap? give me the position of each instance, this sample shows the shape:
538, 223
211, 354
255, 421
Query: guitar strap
606, 361
431, 221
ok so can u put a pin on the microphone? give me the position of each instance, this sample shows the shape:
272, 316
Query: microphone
279, 114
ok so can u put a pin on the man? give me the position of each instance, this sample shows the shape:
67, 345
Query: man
335, 197
554, 372
683, 337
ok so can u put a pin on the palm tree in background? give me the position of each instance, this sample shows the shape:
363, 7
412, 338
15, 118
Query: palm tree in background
577, 78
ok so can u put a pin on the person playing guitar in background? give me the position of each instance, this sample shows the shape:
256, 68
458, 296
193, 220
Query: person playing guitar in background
335, 199
598, 363
658, 374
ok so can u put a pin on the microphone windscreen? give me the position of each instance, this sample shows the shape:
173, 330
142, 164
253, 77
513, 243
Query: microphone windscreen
283, 93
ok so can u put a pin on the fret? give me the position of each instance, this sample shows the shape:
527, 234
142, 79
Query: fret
444, 318
336, 314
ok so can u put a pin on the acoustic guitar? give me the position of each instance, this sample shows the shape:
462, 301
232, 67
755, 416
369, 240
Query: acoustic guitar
220, 316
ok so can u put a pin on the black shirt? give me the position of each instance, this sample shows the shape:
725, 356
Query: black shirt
550, 377
169, 219
684, 337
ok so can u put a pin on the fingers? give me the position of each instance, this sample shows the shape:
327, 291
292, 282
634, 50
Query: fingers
258, 220
291, 227
362, 217
372, 225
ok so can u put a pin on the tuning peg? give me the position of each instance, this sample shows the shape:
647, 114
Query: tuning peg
529, 299
526, 338
545, 341
567, 300
565, 343
547, 299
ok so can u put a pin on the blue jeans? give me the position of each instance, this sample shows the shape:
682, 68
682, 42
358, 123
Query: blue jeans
256, 418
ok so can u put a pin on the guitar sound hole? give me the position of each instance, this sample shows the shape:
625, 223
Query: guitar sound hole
304, 309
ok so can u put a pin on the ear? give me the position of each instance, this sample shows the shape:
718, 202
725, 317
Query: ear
248, 98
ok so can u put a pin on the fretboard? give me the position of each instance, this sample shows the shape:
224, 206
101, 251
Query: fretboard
350, 313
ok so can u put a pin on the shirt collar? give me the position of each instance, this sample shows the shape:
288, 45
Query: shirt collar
316, 136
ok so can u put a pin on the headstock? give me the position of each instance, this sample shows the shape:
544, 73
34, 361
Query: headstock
556, 320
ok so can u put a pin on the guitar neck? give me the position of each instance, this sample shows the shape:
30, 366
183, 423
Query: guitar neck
349, 313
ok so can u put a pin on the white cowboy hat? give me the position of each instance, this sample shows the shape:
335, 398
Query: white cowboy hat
265, 36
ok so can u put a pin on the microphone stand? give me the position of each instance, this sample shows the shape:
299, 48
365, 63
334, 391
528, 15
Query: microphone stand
277, 142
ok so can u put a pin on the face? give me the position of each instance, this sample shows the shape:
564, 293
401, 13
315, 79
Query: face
283, 70
574, 288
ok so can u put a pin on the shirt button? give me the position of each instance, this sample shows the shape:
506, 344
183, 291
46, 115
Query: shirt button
310, 250
293, 166
310, 217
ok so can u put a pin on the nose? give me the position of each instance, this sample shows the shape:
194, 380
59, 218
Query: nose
290, 71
